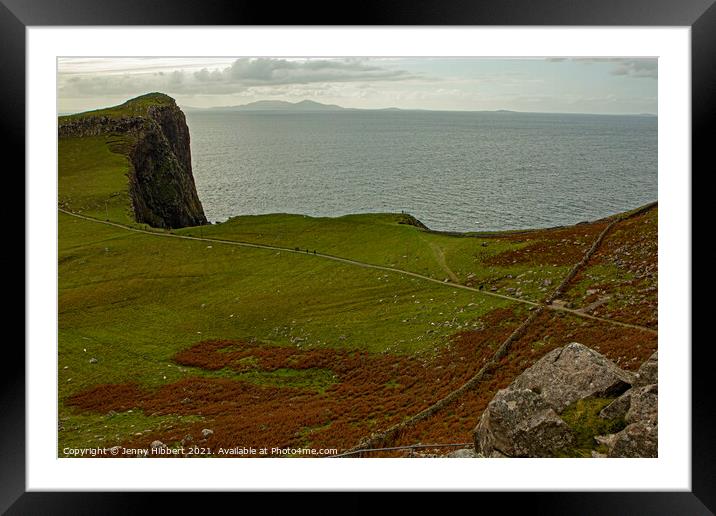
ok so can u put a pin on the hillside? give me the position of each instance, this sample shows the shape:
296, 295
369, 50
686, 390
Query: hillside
288, 331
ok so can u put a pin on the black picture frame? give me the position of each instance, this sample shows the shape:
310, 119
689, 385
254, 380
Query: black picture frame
699, 15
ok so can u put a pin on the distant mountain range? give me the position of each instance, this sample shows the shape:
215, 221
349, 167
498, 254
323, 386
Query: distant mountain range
304, 106
277, 105
310, 106
282, 105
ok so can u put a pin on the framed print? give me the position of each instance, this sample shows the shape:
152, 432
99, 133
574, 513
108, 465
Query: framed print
269, 255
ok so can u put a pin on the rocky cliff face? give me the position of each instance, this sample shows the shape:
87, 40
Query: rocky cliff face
155, 138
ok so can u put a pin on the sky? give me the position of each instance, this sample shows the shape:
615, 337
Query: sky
549, 85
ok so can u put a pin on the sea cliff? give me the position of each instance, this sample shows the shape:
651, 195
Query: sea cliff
151, 131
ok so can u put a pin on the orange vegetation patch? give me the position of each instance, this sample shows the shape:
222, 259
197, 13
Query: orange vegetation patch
455, 423
105, 397
621, 280
559, 246
372, 391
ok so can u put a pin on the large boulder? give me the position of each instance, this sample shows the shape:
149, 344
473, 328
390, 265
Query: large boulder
520, 423
525, 419
571, 373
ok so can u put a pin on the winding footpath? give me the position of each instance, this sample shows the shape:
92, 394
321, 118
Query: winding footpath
450, 284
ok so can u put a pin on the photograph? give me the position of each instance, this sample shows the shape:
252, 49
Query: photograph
357, 257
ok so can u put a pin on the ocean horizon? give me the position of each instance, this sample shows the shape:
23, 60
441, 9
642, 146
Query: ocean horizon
454, 171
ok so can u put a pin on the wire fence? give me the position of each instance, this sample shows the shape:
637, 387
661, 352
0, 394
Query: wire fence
395, 448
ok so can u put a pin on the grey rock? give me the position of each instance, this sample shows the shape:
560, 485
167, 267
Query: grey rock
495, 454
92, 360
607, 440
636, 440
205, 433
648, 372
420, 455
520, 423
157, 444
640, 437
465, 453
644, 405
617, 408
571, 373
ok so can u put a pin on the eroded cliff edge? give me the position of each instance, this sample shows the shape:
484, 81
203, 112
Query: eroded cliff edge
151, 131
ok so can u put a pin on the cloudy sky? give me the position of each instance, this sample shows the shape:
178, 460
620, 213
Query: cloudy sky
563, 85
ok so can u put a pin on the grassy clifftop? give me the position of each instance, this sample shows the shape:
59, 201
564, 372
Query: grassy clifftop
136, 107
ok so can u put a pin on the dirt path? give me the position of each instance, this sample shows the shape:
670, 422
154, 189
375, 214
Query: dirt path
450, 284
440, 258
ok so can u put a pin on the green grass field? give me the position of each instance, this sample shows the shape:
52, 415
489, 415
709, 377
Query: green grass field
379, 239
93, 179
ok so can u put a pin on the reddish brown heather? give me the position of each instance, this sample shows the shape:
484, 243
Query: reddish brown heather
558, 246
630, 253
105, 397
373, 391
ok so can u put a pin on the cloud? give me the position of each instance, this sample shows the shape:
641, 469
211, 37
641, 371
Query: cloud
263, 71
242, 74
630, 67
648, 68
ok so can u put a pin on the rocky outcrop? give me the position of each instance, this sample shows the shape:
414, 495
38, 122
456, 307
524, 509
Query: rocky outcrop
571, 373
464, 453
560, 405
639, 406
155, 138
97, 125
520, 423
410, 220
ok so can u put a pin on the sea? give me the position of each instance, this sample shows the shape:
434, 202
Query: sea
454, 171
